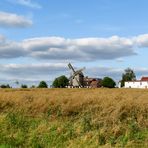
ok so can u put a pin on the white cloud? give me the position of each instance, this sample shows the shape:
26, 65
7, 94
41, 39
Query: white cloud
32, 69
27, 3
141, 40
32, 72
10, 49
13, 20
100, 72
81, 49
115, 73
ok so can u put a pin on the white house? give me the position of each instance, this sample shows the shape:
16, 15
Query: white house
143, 83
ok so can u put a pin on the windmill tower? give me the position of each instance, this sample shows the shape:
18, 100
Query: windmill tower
77, 77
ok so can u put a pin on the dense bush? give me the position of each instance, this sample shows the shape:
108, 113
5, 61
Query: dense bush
24, 86
108, 82
42, 84
60, 82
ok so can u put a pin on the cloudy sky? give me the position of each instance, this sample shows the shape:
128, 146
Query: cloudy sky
38, 38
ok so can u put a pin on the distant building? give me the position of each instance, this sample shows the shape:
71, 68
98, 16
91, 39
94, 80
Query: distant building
92, 82
143, 83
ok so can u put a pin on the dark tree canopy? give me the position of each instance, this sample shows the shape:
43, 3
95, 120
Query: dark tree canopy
60, 82
128, 75
108, 82
24, 86
5, 86
42, 84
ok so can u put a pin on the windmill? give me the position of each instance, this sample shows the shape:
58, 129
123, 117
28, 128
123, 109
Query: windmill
77, 78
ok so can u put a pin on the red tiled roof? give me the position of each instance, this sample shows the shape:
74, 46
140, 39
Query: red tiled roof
144, 79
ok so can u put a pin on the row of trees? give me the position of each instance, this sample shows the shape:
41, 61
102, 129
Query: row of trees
62, 81
42, 84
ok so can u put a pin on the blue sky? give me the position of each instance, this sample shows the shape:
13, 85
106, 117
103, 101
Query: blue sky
39, 37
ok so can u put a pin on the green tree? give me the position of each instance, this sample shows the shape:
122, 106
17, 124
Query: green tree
24, 86
42, 84
128, 75
108, 82
5, 86
60, 82
55, 83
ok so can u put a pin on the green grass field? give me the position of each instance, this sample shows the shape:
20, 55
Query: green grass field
73, 118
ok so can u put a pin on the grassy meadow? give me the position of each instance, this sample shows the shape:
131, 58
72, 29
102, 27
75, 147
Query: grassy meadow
73, 118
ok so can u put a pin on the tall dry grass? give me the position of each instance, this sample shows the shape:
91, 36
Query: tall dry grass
111, 111
112, 104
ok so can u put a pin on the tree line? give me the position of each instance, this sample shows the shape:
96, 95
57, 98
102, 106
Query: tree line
42, 84
63, 81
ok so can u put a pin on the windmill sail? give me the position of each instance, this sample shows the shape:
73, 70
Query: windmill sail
71, 67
